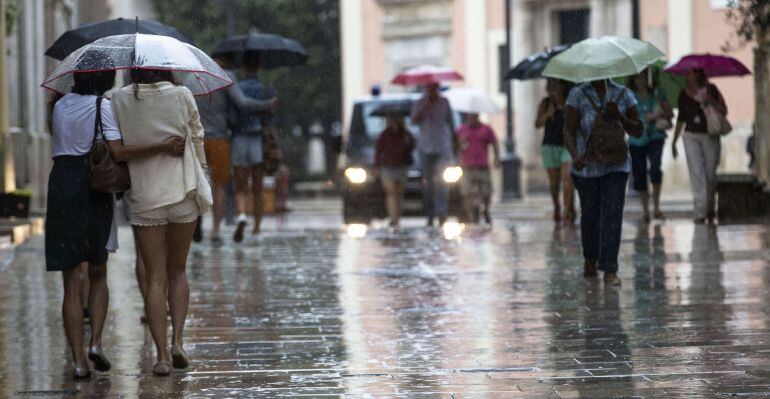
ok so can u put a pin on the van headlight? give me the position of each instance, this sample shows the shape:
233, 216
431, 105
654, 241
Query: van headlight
356, 175
453, 174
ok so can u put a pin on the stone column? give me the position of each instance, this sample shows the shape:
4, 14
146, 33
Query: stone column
8, 176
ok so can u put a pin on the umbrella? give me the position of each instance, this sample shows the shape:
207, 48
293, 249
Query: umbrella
401, 107
602, 58
670, 83
471, 101
713, 65
274, 51
532, 66
191, 66
425, 74
74, 39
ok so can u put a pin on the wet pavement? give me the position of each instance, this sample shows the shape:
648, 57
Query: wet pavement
315, 310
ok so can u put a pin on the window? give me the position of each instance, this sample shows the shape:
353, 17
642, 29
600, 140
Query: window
573, 25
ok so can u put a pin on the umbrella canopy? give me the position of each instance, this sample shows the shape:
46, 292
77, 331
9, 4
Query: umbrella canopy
274, 51
532, 67
425, 74
713, 65
471, 101
670, 83
400, 107
602, 58
191, 66
74, 39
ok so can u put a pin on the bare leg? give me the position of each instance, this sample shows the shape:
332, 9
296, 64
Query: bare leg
644, 197
391, 202
98, 301
178, 237
241, 188
568, 192
257, 174
487, 209
141, 274
220, 194
399, 188
241, 196
72, 315
85, 285
152, 245
656, 189
554, 183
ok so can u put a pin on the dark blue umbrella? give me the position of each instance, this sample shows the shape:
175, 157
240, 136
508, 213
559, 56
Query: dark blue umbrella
274, 51
532, 67
398, 107
74, 39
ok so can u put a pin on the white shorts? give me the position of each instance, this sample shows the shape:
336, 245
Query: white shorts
186, 211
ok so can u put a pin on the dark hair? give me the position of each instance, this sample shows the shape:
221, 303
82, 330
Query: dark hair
149, 76
93, 83
700, 76
631, 84
252, 60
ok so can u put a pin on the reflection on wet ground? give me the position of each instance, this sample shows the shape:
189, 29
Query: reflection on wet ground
313, 312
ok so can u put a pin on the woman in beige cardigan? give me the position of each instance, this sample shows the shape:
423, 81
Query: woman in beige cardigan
166, 197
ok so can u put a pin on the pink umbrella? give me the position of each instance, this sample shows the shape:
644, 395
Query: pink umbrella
713, 65
426, 74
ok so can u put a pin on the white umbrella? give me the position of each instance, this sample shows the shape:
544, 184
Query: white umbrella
191, 66
471, 101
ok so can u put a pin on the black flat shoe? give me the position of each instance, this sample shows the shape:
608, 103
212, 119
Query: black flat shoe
81, 373
238, 236
179, 358
100, 361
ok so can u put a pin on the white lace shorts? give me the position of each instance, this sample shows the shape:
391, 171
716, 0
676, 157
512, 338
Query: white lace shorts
186, 211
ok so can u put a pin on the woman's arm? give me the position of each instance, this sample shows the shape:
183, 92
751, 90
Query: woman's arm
632, 122
542, 114
245, 103
668, 110
123, 153
571, 124
677, 133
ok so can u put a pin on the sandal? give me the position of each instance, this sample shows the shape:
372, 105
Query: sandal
659, 215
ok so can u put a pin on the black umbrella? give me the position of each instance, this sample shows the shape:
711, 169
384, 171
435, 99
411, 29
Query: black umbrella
274, 51
76, 38
532, 67
400, 107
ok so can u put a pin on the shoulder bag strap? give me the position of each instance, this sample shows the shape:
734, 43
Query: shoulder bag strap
597, 107
98, 127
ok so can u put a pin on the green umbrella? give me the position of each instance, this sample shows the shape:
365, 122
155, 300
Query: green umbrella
602, 58
670, 83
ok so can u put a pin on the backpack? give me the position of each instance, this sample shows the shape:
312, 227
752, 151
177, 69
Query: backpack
606, 144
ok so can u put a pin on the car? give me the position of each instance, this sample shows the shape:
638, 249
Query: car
362, 193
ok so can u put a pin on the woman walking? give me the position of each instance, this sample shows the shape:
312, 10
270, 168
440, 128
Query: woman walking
393, 155
556, 158
600, 171
167, 195
656, 114
78, 219
703, 150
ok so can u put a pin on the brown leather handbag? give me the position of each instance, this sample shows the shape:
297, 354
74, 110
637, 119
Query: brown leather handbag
107, 174
607, 143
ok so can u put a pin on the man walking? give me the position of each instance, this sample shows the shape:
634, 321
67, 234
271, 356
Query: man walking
437, 146
215, 111
247, 156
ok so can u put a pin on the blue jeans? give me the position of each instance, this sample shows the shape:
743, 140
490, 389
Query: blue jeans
601, 205
436, 193
640, 155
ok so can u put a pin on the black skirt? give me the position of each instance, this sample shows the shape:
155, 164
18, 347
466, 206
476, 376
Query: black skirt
78, 219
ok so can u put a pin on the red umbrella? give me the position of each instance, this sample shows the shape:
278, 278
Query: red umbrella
713, 65
425, 74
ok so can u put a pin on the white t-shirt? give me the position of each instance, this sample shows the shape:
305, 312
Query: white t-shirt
73, 124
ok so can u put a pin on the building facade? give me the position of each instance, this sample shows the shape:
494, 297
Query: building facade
381, 37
